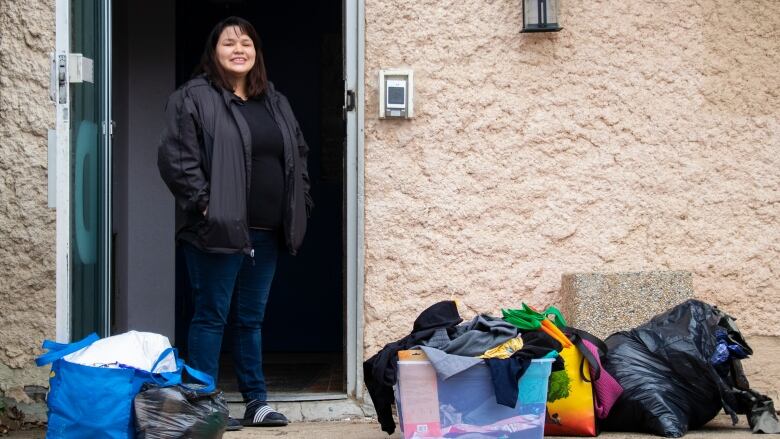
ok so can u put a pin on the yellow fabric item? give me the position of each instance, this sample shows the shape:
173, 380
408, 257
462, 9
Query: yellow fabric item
504, 350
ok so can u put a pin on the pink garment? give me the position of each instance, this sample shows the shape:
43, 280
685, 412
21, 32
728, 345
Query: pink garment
608, 390
500, 428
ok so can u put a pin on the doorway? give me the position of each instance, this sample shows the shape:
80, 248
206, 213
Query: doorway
305, 326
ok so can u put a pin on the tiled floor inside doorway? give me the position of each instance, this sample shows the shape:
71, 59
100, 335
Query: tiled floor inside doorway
292, 373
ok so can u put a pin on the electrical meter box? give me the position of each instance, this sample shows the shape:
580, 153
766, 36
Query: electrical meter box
396, 94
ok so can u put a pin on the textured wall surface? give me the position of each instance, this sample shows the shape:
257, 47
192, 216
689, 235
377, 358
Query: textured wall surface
644, 136
27, 225
761, 368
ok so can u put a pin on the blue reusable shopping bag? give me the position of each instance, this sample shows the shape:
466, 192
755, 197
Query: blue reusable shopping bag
97, 402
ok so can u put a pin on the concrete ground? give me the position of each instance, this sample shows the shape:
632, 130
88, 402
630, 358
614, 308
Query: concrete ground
719, 428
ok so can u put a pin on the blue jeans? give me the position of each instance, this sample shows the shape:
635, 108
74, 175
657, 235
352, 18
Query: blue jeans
232, 289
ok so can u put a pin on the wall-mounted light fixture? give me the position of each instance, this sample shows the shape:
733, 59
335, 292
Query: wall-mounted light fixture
540, 16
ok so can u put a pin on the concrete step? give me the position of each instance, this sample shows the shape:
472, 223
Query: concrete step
308, 411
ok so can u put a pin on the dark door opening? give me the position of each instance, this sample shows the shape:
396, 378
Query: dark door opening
303, 331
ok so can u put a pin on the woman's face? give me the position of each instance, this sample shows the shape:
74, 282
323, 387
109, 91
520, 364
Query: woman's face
235, 52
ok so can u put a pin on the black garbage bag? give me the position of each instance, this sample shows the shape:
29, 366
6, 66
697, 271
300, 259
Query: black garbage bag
178, 412
670, 384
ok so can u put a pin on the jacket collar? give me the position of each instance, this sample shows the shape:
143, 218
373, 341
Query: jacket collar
271, 91
228, 96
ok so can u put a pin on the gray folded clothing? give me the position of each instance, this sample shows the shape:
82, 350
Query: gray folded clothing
473, 338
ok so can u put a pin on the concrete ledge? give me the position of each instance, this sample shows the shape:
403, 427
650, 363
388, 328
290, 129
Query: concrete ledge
25, 389
604, 303
308, 411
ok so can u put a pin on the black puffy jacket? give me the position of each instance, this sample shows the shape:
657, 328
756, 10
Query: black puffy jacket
204, 157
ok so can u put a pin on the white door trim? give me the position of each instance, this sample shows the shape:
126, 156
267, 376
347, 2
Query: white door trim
354, 29
62, 121
360, 101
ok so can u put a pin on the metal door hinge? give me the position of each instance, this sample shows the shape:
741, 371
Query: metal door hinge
349, 101
58, 79
111, 128
73, 68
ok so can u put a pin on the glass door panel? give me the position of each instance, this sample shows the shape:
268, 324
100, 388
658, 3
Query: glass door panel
89, 149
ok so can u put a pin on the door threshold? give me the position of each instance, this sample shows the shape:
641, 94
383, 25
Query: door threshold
235, 397
299, 409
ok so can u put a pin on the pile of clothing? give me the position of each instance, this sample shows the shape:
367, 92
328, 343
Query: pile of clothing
668, 376
452, 347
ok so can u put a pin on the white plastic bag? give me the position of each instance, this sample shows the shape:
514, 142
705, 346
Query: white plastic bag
134, 349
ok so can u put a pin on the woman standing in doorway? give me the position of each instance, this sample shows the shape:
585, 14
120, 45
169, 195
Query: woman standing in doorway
234, 158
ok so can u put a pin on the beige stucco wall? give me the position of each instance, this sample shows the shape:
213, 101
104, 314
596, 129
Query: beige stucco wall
27, 230
644, 136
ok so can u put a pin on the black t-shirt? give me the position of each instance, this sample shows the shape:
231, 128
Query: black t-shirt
265, 204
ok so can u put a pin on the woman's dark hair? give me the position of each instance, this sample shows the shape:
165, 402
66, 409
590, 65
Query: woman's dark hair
256, 79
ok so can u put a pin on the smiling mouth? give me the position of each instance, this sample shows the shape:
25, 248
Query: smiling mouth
238, 60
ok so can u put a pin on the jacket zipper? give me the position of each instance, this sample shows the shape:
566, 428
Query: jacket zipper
247, 172
276, 111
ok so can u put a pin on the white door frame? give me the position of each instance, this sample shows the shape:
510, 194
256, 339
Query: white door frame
61, 96
354, 34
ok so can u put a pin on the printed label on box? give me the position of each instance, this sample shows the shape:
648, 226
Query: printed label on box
419, 400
